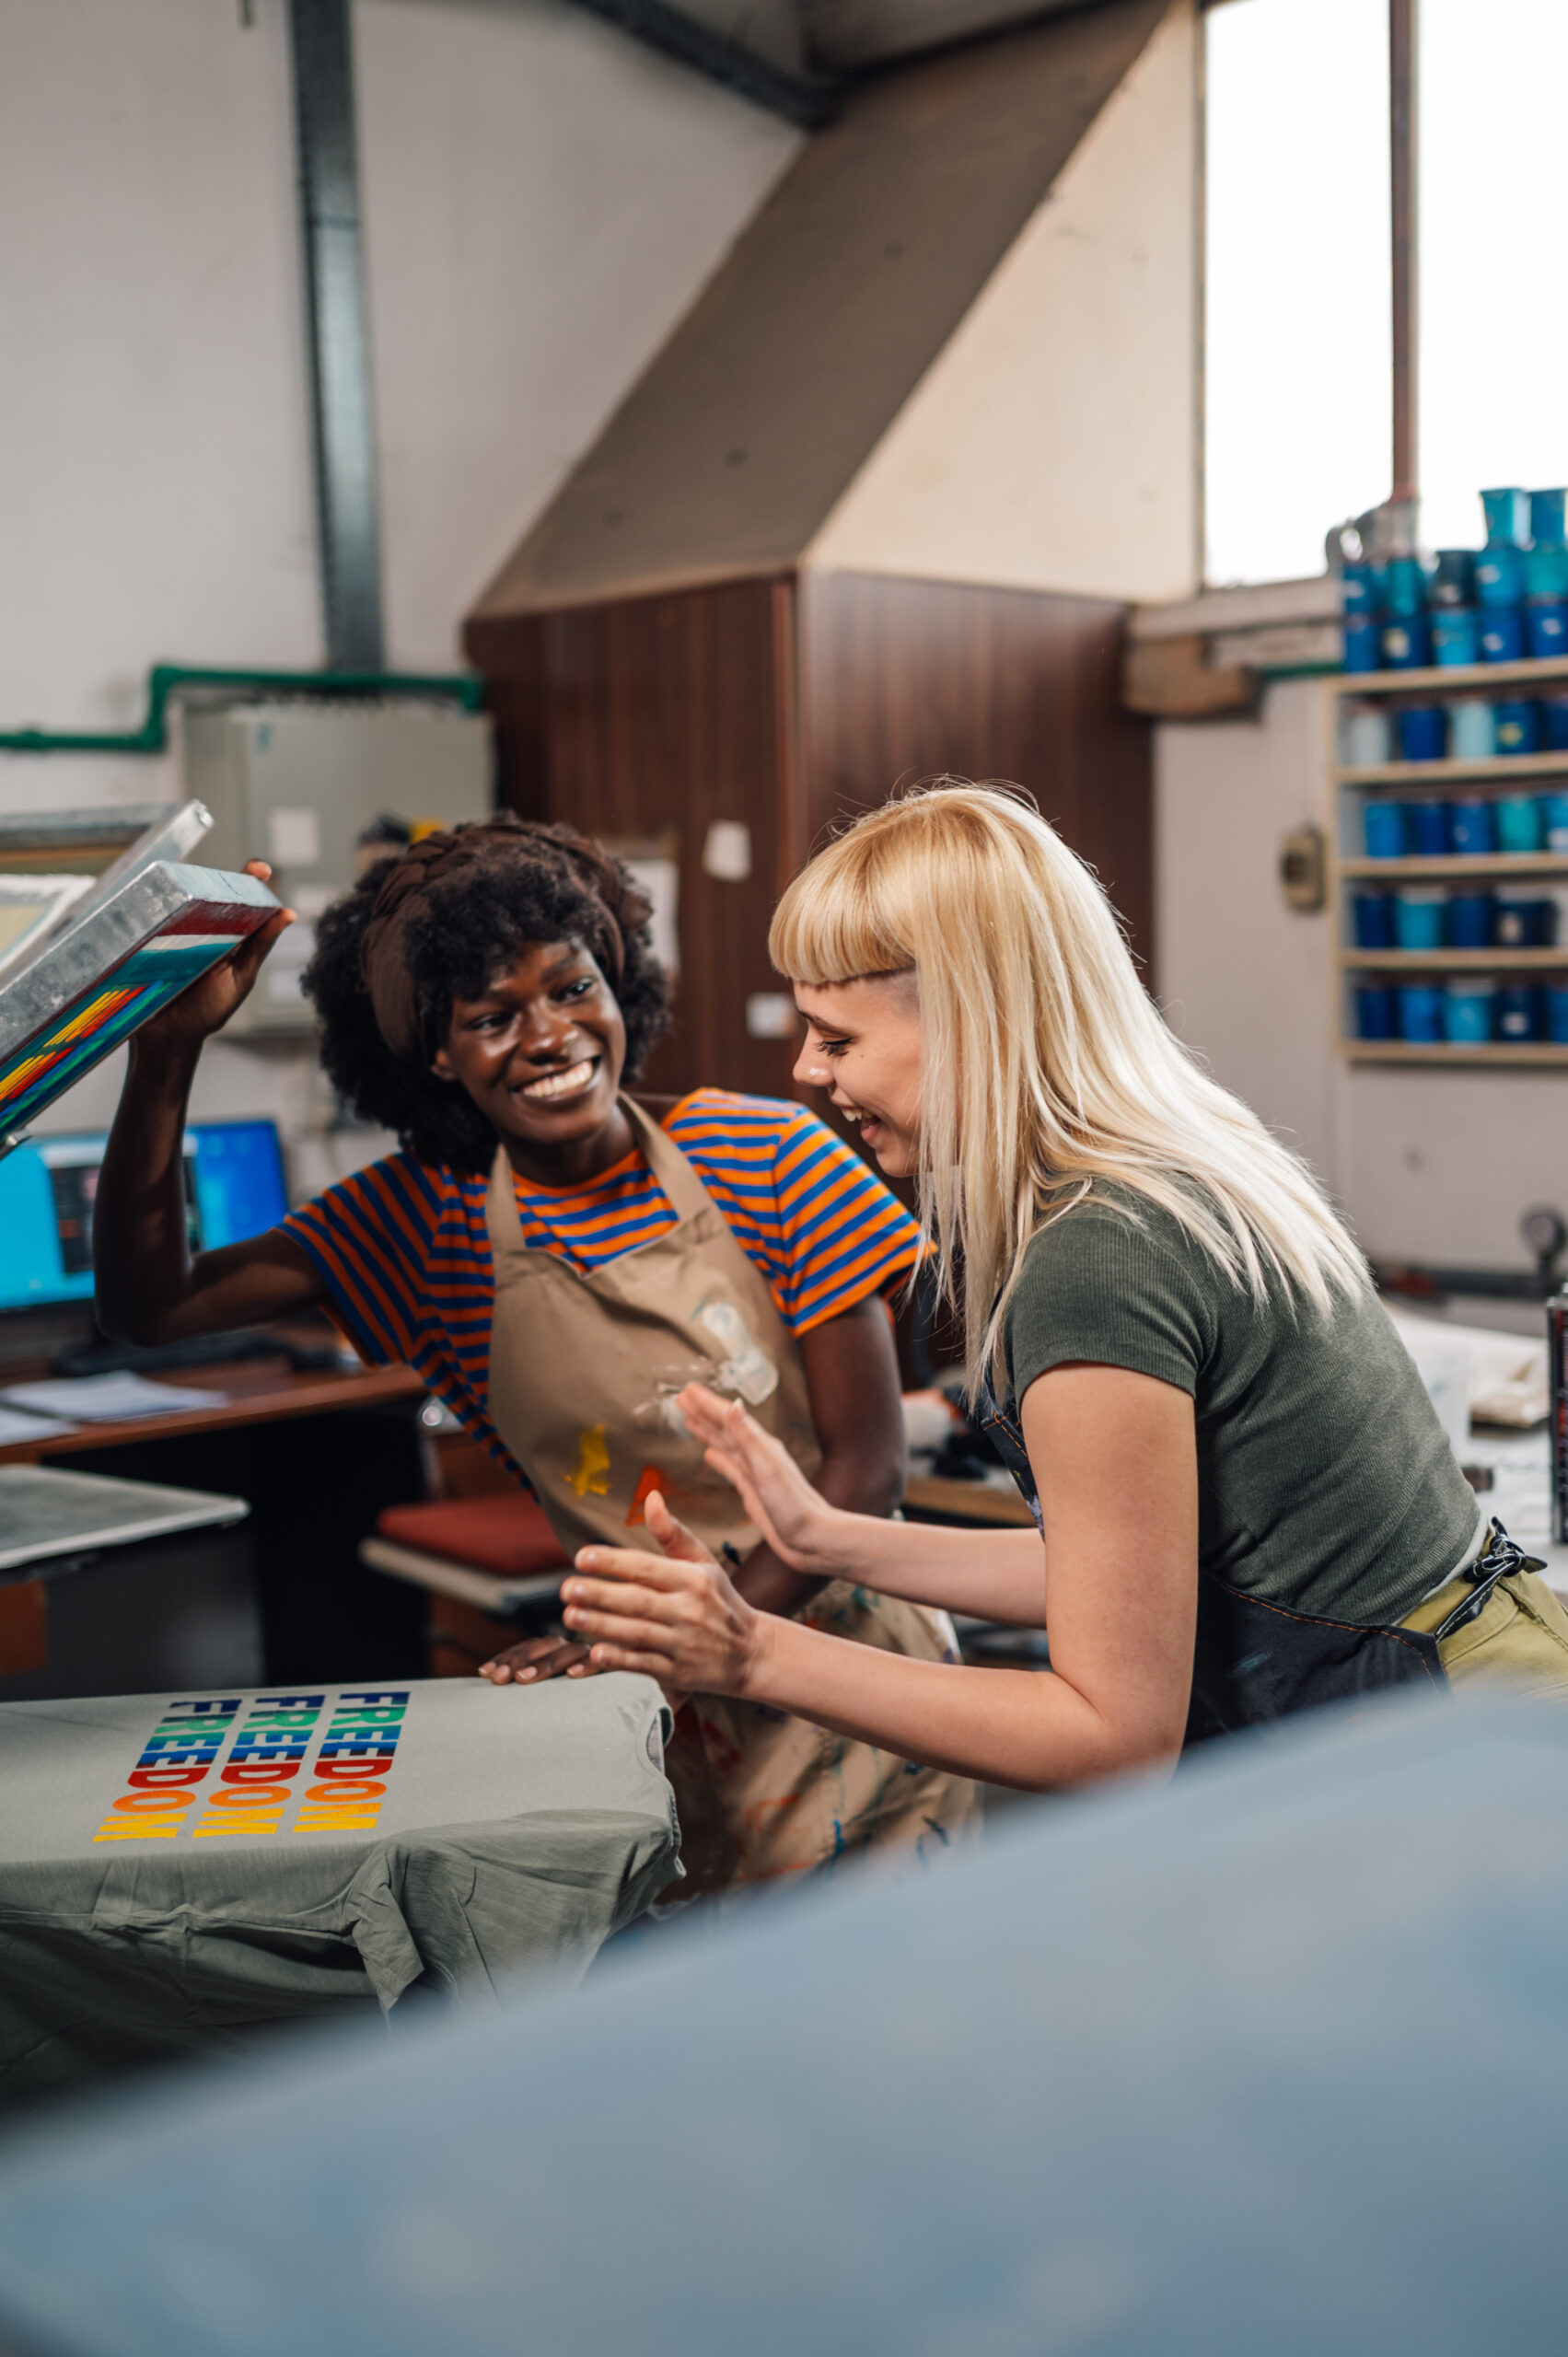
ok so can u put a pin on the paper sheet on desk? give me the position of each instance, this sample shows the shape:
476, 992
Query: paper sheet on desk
107, 1398
1508, 1378
16, 1426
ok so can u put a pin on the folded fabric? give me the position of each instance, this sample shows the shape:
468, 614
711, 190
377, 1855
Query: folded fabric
1507, 1372
509, 1534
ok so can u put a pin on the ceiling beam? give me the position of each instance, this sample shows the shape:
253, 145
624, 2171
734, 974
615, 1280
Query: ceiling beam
805, 100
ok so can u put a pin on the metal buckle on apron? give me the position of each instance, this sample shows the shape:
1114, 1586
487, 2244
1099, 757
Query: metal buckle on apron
1499, 1558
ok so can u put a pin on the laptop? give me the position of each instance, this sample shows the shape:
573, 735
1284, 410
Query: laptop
234, 1187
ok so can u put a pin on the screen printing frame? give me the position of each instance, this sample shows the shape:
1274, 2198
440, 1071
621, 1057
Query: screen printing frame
99, 979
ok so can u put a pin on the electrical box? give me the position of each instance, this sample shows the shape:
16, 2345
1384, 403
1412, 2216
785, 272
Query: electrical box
304, 786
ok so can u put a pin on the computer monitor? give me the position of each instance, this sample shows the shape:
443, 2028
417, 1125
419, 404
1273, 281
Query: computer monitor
234, 1187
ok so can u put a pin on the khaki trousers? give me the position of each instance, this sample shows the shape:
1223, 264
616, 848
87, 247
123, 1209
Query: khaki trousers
1520, 1634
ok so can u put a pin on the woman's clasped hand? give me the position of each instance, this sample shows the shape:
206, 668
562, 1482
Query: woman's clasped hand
676, 1617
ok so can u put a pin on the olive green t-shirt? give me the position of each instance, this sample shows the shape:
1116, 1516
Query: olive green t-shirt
1324, 1478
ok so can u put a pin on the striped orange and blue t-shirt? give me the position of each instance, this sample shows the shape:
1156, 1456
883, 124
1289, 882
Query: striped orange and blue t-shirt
403, 1248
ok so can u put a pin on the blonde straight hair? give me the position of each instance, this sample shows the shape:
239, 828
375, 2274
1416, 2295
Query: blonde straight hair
1045, 1065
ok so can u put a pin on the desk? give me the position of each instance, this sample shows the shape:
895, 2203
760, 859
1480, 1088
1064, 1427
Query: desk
262, 1391
178, 1872
929, 1499
317, 1452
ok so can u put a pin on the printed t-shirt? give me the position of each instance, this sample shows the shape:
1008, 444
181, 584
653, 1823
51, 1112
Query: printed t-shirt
1324, 1477
403, 1251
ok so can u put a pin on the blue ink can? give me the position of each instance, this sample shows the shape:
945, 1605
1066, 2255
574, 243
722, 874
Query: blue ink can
1546, 572
1424, 732
1503, 635
1372, 914
1419, 919
1374, 1016
1455, 635
1473, 827
1452, 579
1421, 1008
1525, 921
1405, 642
1361, 589
1517, 725
1546, 625
1519, 822
1519, 1012
1427, 829
1556, 996
1546, 517
1499, 577
1507, 514
1471, 919
1472, 735
1385, 823
1361, 640
1404, 587
1468, 1012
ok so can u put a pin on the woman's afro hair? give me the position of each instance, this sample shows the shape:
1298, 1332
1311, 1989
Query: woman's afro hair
544, 883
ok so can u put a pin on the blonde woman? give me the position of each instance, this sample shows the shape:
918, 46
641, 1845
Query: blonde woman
1245, 1502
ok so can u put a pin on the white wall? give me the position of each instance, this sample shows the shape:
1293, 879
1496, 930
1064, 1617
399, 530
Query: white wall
543, 200
1433, 1166
1053, 445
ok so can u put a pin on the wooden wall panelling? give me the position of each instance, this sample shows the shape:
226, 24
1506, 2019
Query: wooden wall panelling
901, 679
643, 715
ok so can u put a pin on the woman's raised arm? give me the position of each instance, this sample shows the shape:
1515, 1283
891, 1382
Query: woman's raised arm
1114, 1456
991, 1574
148, 1288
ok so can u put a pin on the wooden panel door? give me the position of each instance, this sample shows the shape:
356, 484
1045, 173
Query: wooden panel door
647, 718
903, 679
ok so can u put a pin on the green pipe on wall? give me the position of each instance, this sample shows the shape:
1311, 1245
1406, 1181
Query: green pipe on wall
165, 680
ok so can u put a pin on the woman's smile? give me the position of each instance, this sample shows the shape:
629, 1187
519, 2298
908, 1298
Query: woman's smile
572, 1082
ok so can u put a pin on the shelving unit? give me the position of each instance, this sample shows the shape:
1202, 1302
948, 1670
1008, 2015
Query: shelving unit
1349, 866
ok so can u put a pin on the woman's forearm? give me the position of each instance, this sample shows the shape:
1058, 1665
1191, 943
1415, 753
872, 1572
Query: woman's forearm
1027, 1728
991, 1574
148, 1287
141, 1248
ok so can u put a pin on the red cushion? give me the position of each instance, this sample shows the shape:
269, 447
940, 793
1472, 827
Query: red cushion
509, 1534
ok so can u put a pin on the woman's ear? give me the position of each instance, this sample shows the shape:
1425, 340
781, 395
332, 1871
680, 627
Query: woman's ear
441, 1065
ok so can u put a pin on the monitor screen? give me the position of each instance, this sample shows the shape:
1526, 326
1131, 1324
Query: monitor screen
234, 1187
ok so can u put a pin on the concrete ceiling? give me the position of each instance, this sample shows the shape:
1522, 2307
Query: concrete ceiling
798, 56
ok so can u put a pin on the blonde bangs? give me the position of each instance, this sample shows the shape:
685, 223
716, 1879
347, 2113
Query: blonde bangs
837, 920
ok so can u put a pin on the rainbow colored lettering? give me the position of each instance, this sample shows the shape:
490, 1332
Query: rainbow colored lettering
356, 1758
253, 1786
176, 1758
172, 1785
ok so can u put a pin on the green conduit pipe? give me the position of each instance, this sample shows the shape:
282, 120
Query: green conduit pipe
165, 681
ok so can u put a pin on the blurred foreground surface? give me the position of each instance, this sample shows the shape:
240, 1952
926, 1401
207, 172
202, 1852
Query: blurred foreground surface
1272, 2059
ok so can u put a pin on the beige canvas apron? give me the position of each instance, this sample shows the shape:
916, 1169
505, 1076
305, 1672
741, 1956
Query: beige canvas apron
585, 1366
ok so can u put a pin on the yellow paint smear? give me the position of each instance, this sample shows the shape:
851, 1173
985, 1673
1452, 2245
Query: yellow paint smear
592, 1475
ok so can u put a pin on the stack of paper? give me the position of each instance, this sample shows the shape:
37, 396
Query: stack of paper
104, 1399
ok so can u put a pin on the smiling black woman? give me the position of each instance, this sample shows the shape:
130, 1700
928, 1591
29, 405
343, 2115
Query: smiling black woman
558, 1258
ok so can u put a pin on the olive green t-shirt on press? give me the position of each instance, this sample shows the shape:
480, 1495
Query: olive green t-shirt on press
1324, 1478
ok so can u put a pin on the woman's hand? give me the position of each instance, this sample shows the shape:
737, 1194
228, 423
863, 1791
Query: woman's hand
207, 1005
536, 1658
675, 1617
798, 1524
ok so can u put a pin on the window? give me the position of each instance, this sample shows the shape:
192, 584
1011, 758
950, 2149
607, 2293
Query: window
1298, 368
1297, 336
1492, 321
